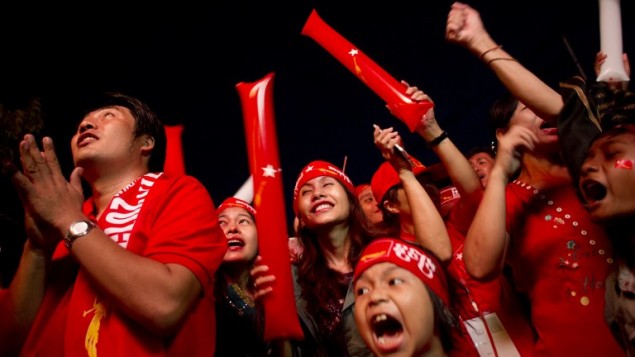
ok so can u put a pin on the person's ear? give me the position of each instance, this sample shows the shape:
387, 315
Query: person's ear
499, 133
148, 144
391, 207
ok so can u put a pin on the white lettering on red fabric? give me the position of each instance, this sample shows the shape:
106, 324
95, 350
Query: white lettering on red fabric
124, 209
408, 254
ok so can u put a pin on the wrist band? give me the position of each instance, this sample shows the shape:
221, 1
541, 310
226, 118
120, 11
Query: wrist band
488, 51
501, 59
436, 141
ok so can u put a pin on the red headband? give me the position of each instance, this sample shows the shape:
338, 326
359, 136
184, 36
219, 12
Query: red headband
316, 169
408, 256
236, 202
449, 194
386, 177
360, 188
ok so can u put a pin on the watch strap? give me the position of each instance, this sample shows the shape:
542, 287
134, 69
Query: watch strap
70, 237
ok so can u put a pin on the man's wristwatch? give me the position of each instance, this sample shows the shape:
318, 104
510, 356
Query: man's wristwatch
77, 229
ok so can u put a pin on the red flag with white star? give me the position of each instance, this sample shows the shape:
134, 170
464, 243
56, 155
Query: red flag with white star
281, 319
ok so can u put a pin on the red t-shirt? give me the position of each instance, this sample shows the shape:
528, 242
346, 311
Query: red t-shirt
476, 299
177, 224
560, 260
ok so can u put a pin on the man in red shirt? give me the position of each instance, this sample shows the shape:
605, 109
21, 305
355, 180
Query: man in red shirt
128, 271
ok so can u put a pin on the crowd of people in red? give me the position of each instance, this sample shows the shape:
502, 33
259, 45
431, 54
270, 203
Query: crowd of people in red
529, 252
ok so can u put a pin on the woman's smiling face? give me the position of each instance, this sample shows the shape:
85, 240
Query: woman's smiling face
323, 200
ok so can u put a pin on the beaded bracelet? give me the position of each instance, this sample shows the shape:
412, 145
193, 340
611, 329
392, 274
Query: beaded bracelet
436, 141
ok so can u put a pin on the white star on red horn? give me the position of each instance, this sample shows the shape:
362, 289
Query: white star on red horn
269, 171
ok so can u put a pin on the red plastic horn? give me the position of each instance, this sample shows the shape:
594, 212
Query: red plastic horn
174, 160
281, 319
376, 78
612, 70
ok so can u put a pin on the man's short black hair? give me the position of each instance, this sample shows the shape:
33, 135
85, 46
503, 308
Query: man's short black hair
147, 122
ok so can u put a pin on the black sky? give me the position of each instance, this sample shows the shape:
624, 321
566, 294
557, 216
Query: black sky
185, 61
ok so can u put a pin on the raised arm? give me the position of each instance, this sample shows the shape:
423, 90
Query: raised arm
487, 239
21, 301
456, 164
465, 27
429, 227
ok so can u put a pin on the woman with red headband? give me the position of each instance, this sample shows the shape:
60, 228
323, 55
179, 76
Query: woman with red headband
333, 231
241, 327
401, 300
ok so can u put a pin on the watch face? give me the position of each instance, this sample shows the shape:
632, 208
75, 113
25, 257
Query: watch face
78, 227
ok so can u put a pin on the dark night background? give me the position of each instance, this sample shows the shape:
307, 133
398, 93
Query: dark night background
185, 61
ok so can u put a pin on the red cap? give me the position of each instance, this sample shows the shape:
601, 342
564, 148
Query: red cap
386, 177
316, 169
236, 202
408, 256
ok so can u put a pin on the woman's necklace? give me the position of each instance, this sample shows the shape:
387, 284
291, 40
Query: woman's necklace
239, 300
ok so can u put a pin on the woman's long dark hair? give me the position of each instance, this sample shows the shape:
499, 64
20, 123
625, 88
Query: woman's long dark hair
501, 112
314, 275
445, 321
